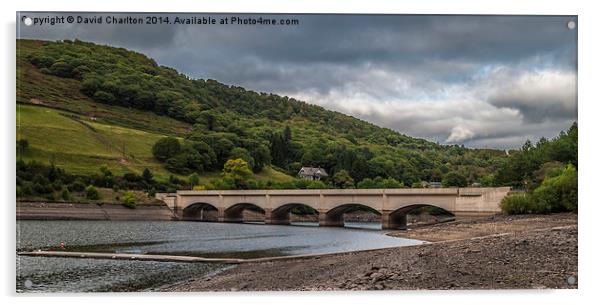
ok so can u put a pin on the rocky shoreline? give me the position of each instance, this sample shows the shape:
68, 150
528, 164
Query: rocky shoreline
500, 252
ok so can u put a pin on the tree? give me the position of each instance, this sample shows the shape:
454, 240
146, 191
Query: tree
558, 192
78, 185
193, 180
166, 148
261, 155
129, 200
241, 153
92, 193
343, 180
287, 135
147, 175
22, 145
187, 161
366, 183
237, 170
281, 146
65, 194
61, 68
454, 179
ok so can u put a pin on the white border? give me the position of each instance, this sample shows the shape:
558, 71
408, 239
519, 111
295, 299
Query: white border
589, 99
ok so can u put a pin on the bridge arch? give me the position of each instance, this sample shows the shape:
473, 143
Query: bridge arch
281, 214
397, 219
335, 216
200, 211
234, 213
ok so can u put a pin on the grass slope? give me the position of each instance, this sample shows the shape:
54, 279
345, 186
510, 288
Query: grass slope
34, 87
81, 144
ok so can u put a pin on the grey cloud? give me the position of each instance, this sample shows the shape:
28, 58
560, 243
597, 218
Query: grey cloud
539, 96
135, 36
479, 80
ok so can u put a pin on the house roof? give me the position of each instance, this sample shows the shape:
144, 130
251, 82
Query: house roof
313, 171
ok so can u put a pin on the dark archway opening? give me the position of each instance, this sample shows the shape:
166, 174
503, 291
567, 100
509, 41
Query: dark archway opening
353, 215
200, 212
295, 213
244, 212
417, 215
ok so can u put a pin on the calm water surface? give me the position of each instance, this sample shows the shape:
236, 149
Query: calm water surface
204, 239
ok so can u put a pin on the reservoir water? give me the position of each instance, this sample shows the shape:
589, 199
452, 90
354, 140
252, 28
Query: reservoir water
204, 239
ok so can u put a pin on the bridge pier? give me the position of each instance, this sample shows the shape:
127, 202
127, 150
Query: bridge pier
223, 216
330, 220
277, 217
394, 221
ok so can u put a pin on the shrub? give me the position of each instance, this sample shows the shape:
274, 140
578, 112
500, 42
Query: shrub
77, 185
316, 184
65, 195
366, 183
129, 200
40, 188
559, 193
26, 189
92, 193
61, 68
41, 61
520, 203
22, 145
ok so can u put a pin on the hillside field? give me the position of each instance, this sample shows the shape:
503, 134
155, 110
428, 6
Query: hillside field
81, 145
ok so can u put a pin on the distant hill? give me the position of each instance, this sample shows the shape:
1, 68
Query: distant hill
84, 105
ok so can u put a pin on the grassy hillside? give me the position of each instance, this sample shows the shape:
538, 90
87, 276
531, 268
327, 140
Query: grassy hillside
35, 87
81, 145
101, 97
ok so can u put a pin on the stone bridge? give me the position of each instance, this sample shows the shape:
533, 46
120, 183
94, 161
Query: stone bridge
392, 204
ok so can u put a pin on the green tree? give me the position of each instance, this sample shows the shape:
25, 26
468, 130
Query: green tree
92, 193
343, 180
65, 194
78, 185
22, 145
261, 155
366, 183
187, 161
147, 175
166, 148
559, 192
242, 153
129, 200
193, 180
237, 170
61, 68
454, 179
316, 184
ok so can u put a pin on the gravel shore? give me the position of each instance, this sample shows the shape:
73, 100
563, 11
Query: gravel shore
501, 252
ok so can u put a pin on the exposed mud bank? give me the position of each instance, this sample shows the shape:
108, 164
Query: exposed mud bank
90, 211
524, 252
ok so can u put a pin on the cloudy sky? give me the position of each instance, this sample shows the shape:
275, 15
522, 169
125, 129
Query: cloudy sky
483, 81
